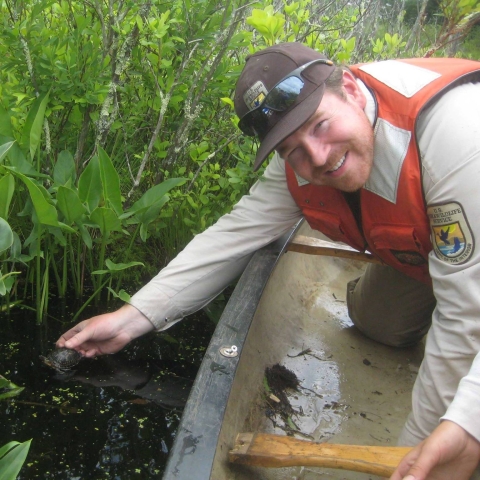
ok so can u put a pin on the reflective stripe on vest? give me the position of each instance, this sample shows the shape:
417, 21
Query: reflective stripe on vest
394, 221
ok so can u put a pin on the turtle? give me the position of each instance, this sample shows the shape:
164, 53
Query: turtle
62, 359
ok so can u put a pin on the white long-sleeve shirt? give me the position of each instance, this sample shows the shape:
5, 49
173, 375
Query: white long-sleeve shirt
448, 384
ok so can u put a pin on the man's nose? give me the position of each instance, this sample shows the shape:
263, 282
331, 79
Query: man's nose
317, 151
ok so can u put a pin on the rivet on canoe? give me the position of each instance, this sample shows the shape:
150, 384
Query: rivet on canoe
229, 351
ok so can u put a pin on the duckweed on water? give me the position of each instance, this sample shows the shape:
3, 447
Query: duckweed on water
87, 423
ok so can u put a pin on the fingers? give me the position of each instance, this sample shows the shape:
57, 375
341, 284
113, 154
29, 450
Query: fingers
406, 464
449, 452
418, 464
69, 334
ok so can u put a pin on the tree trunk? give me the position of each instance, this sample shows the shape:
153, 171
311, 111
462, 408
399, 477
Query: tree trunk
417, 27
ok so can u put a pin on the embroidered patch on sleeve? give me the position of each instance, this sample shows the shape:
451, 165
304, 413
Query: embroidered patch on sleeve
452, 237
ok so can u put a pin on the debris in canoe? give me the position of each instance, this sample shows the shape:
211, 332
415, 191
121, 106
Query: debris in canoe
277, 381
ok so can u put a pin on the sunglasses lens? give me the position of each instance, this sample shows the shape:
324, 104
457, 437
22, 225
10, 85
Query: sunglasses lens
284, 94
255, 123
279, 99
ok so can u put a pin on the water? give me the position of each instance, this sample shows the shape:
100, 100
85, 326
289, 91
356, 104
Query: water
114, 417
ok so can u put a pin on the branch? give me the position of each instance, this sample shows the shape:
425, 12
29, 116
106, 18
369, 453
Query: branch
122, 61
458, 32
192, 106
161, 116
230, 139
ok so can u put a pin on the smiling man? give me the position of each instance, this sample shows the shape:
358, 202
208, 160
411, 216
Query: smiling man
382, 156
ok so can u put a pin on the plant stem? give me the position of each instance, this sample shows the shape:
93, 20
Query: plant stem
89, 300
126, 256
63, 290
38, 285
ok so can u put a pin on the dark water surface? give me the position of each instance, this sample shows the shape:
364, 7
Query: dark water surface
114, 417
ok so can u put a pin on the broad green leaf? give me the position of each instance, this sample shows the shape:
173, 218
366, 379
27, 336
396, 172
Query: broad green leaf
143, 232
106, 219
46, 213
8, 388
64, 169
6, 235
121, 266
116, 267
58, 234
17, 158
9, 282
152, 196
32, 130
90, 185
12, 462
228, 101
110, 182
36, 130
147, 216
9, 445
87, 239
16, 249
69, 204
7, 187
4, 149
122, 294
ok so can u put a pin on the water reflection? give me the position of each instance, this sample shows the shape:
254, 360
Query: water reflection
113, 418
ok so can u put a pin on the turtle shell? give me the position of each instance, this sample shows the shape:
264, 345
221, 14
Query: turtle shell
62, 359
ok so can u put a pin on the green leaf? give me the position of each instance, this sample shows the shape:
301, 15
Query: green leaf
6, 235
7, 281
228, 101
4, 149
64, 169
87, 239
46, 213
90, 185
122, 294
152, 196
151, 213
36, 130
7, 187
18, 160
32, 130
106, 219
115, 267
110, 182
12, 462
68, 202
9, 445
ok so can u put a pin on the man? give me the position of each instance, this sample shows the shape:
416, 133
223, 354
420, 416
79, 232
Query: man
385, 156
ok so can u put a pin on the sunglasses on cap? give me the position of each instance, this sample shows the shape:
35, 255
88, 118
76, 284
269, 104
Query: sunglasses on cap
281, 97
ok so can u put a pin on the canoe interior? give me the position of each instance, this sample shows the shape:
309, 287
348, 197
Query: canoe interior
353, 390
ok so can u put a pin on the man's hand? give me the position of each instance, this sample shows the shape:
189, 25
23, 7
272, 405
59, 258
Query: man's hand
106, 333
448, 453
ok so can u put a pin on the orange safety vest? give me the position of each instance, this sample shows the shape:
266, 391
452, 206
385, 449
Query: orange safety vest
397, 233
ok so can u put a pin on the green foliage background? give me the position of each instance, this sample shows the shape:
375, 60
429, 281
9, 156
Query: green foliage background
117, 125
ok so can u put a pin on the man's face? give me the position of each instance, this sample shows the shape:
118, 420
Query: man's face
335, 146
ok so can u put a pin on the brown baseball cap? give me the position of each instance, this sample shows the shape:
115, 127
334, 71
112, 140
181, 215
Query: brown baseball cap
262, 72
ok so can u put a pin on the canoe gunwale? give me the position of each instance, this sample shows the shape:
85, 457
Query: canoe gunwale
192, 454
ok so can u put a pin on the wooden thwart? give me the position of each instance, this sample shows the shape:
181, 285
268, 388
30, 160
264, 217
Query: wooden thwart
315, 246
267, 450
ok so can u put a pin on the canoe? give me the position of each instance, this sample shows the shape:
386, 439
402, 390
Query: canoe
289, 310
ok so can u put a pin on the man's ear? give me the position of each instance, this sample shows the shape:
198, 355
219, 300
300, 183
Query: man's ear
353, 91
